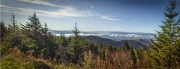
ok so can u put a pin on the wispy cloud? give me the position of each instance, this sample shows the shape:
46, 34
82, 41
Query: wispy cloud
110, 18
65, 11
90, 5
134, 20
42, 2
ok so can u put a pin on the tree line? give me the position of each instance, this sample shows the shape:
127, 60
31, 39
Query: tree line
35, 39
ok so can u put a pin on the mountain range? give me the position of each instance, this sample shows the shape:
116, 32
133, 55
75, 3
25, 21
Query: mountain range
113, 35
134, 43
113, 38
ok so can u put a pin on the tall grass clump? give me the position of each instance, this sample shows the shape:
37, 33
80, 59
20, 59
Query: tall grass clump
18, 60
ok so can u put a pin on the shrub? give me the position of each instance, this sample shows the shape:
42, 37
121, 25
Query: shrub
17, 60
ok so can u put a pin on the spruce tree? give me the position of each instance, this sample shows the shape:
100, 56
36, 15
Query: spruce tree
74, 47
13, 36
14, 22
126, 46
43, 39
3, 29
164, 49
33, 30
75, 32
63, 40
134, 56
10, 35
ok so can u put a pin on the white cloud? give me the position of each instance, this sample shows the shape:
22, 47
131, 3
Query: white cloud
90, 5
109, 18
40, 2
63, 12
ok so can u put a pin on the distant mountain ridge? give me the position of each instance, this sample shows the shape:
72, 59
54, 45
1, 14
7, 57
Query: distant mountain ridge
114, 38
113, 35
135, 43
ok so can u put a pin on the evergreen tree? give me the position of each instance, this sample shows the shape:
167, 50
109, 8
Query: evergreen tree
14, 28
75, 32
74, 47
15, 37
63, 40
3, 29
164, 50
126, 46
9, 40
134, 56
43, 39
33, 30
45, 30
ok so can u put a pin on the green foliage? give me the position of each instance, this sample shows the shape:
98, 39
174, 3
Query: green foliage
87, 59
43, 39
74, 46
142, 57
34, 30
32, 46
126, 47
134, 56
34, 38
75, 32
17, 60
12, 37
164, 50
3, 29
27, 44
63, 40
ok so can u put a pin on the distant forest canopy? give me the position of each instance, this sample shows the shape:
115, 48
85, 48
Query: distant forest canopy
32, 46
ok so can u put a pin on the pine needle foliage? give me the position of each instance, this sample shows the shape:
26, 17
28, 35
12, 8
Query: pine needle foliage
164, 51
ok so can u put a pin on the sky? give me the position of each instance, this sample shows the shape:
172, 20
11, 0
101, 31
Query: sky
90, 15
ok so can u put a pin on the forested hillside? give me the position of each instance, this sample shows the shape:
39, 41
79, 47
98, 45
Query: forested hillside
33, 46
144, 43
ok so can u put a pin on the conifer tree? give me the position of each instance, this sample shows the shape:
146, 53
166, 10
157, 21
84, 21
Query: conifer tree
74, 46
126, 47
13, 21
63, 40
45, 30
43, 39
14, 37
33, 30
75, 32
134, 56
10, 35
164, 49
3, 29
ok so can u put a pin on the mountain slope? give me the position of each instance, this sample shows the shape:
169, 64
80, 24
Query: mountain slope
135, 43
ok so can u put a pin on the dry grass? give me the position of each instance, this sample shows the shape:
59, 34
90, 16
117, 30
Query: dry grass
18, 60
115, 60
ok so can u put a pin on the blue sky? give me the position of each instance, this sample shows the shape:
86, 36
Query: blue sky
90, 15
